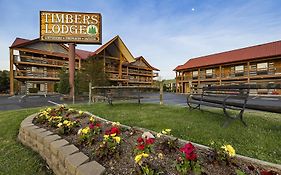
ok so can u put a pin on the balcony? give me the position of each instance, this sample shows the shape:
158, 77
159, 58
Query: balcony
24, 74
39, 61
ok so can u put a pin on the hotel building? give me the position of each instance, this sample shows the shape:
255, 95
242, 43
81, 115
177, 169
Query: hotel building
35, 65
254, 65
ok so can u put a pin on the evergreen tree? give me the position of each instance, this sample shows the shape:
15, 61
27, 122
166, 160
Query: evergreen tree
94, 72
63, 86
4, 81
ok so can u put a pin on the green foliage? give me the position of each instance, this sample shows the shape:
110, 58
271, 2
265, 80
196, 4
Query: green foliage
94, 72
4, 81
239, 172
63, 86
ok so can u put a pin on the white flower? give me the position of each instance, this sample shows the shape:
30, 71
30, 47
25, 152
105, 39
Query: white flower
159, 135
79, 131
147, 135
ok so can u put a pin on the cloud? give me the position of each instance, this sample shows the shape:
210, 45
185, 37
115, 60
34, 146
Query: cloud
166, 33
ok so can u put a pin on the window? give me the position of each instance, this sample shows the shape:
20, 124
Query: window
262, 66
239, 68
209, 71
195, 74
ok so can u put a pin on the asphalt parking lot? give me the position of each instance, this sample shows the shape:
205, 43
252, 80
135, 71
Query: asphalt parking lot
20, 102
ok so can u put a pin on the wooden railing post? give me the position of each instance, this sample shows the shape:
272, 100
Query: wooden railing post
90, 92
161, 92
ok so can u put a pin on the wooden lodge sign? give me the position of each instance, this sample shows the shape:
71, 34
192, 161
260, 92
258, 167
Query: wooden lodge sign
70, 27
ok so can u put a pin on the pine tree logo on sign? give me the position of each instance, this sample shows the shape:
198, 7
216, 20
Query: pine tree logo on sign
92, 30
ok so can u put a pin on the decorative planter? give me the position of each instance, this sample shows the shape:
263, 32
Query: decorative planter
66, 159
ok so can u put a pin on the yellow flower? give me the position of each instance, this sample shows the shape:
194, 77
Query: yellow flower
106, 137
160, 156
229, 150
117, 139
115, 124
166, 131
65, 122
59, 125
85, 130
140, 156
113, 135
81, 112
92, 119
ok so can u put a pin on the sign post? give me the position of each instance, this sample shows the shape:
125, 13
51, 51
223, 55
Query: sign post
71, 68
72, 28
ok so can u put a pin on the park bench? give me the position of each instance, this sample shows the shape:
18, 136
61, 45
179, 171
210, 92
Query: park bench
110, 93
230, 97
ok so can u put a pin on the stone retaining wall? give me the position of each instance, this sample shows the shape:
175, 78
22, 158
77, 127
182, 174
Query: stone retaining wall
62, 157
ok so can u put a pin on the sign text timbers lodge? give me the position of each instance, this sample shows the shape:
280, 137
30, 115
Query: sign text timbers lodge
70, 27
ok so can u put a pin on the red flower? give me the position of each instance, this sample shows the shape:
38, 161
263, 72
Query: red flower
149, 141
264, 172
140, 147
192, 156
91, 126
98, 125
140, 140
189, 151
114, 130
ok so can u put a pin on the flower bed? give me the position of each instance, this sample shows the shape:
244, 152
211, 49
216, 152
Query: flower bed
128, 150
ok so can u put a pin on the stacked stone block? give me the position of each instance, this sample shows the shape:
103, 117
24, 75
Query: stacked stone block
61, 156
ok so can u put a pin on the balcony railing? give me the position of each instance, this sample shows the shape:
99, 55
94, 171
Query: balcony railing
276, 71
24, 73
42, 61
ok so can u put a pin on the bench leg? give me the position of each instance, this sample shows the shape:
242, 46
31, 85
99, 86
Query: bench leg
230, 119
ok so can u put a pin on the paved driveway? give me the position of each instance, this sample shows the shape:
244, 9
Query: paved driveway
19, 102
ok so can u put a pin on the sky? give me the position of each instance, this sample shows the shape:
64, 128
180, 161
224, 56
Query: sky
166, 32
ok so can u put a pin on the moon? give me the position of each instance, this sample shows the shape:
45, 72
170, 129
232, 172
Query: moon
193, 9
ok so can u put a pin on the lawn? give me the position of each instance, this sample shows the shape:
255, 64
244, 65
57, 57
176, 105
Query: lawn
261, 139
16, 159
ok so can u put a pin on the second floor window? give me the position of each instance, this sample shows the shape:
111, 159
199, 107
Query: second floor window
209, 73
195, 74
239, 68
262, 66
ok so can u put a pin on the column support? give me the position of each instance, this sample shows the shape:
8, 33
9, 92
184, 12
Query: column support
71, 69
